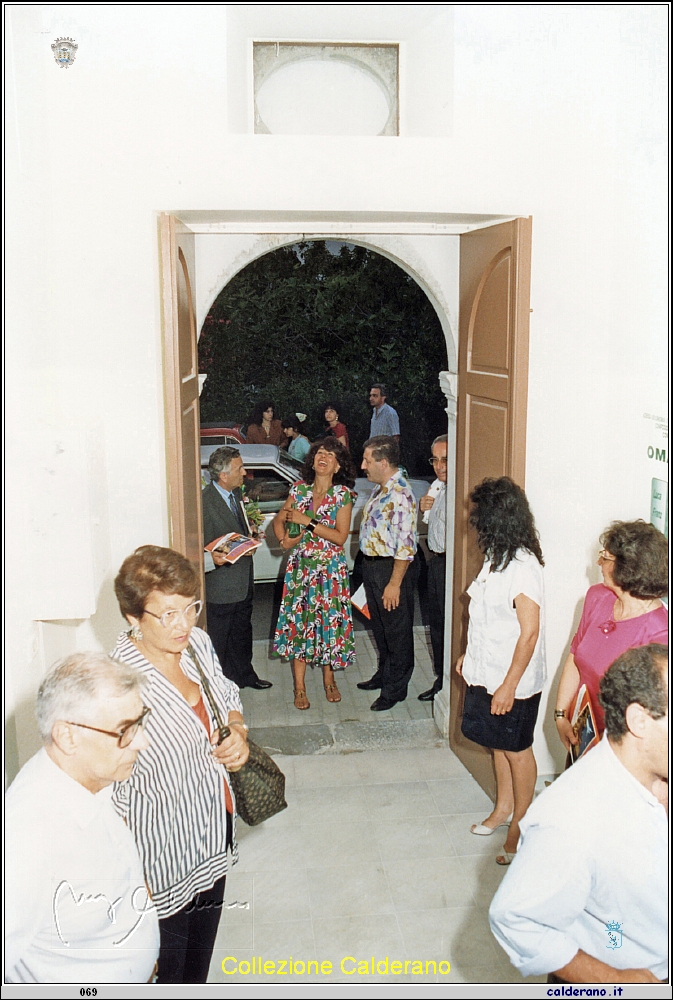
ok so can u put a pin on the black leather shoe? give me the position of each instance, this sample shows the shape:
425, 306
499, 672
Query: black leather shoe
382, 704
373, 684
429, 695
259, 684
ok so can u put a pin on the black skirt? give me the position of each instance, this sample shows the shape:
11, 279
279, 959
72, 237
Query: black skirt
513, 731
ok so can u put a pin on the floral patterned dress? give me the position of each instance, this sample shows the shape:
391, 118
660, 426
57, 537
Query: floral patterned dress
315, 622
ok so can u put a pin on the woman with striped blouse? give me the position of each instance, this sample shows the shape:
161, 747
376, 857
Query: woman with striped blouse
178, 802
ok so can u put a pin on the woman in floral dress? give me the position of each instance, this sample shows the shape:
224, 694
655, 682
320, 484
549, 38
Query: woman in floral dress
315, 624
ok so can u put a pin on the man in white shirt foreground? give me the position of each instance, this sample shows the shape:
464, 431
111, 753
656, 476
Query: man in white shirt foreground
586, 896
77, 906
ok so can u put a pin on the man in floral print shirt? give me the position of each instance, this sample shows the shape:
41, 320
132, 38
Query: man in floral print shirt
388, 546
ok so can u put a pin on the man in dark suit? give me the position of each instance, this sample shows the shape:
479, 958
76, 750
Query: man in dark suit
229, 588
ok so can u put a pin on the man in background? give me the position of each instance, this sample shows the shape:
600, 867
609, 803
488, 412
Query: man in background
384, 418
229, 588
434, 505
388, 546
586, 897
77, 906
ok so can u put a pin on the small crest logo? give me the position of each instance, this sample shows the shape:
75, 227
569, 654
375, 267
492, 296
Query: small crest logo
613, 930
64, 50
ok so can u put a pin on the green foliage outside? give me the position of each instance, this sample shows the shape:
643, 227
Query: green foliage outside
302, 326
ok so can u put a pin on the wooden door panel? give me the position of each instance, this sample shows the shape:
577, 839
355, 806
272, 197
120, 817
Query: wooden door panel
191, 465
186, 320
486, 387
181, 390
492, 396
490, 312
488, 425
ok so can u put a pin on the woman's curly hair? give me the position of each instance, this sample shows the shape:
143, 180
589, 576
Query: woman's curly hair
259, 411
641, 558
503, 521
345, 476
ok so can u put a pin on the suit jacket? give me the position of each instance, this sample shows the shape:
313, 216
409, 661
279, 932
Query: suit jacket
224, 584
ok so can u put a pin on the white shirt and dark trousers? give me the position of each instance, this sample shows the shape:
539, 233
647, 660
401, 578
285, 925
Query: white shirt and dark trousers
229, 590
437, 588
591, 874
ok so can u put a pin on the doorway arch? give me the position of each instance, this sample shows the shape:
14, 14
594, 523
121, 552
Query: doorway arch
493, 386
410, 253
365, 317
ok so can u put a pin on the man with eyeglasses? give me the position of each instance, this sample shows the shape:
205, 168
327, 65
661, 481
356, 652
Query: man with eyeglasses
77, 905
433, 505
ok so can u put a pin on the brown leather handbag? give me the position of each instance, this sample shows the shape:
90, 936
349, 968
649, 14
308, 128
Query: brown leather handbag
259, 786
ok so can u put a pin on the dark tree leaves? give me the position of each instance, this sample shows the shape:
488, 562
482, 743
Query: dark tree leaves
301, 326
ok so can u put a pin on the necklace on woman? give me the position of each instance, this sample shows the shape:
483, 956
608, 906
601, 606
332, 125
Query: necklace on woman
621, 614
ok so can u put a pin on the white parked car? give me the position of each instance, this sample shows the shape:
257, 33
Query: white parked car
271, 472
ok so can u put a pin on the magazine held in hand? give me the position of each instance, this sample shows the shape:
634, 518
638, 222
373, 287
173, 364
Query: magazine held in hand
233, 546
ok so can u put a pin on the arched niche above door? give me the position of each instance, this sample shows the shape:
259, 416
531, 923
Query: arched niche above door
326, 89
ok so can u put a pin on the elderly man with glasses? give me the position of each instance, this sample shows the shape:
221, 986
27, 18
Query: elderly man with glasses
77, 905
433, 505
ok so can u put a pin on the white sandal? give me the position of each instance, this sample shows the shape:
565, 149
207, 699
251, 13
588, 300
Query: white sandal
479, 830
505, 857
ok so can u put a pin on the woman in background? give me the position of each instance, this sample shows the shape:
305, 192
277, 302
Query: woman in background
315, 624
504, 664
264, 428
334, 425
299, 445
622, 612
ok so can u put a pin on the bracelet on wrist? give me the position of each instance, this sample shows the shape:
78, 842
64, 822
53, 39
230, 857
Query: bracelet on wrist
237, 722
560, 713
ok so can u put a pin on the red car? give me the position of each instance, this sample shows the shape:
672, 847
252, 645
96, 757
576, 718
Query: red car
222, 433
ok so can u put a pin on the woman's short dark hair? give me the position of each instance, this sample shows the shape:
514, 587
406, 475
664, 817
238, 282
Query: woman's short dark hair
503, 521
152, 567
332, 406
635, 677
259, 410
641, 558
346, 473
292, 422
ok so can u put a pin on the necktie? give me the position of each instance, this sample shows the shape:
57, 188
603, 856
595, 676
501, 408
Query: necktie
235, 511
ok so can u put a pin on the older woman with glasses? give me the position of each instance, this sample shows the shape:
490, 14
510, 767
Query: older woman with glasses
622, 612
178, 802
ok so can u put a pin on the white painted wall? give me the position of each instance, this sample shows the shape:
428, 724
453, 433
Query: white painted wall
558, 112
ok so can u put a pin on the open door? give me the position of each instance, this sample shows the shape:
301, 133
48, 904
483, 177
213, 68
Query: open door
181, 390
491, 431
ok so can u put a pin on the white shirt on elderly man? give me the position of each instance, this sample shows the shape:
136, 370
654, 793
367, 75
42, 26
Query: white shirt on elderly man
591, 874
77, 907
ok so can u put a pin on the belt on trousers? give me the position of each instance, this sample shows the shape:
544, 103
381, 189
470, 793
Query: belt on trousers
438, 555
377, 558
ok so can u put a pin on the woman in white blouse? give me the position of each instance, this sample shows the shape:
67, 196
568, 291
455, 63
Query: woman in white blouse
504, 664
178, 801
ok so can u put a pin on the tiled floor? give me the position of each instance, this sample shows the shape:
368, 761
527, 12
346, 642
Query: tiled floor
372, 857
275, 707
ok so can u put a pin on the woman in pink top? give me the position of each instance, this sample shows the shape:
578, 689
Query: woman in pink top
619, 614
